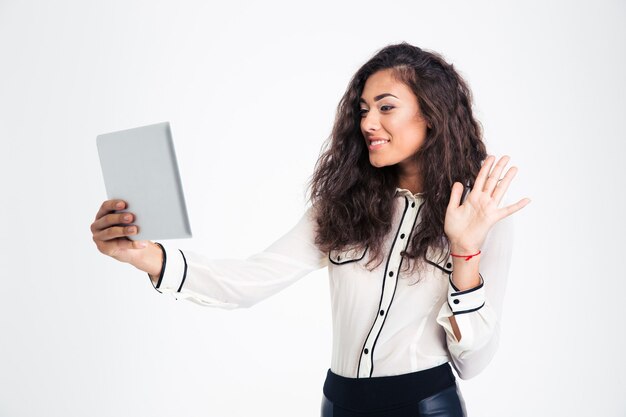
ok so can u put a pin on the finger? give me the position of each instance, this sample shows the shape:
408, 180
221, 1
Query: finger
114, 232
510, 209
503, 185
492, 179
112, 220
109, 206
455, 195
483, 173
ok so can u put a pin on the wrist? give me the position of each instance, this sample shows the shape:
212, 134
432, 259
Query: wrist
151, 260
462, 248
458, 251
465, 283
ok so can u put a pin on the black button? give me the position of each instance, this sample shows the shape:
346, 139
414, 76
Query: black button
390, 273
366, 351
402, 236
382, 312
338, 258
413, 204
448, 265
456, 301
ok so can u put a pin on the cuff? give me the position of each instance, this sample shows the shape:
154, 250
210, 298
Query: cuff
173, 270
466, 301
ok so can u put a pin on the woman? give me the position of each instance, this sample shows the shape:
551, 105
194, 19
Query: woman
388, 191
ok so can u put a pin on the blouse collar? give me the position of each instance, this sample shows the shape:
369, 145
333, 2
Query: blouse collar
405, 192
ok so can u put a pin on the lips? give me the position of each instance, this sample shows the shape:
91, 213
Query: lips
377, 143
373, 139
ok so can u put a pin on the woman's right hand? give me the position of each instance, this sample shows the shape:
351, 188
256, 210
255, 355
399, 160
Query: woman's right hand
110, 231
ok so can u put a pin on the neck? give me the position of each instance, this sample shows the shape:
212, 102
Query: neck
409, 178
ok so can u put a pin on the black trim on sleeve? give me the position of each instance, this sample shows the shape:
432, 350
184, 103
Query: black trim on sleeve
184, 273
479, 286
465, 311
162, 266
452, 283
157, 290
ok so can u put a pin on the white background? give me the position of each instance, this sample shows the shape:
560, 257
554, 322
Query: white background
250, 89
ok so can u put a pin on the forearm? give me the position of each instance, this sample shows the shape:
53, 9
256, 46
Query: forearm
465, 273
465, 276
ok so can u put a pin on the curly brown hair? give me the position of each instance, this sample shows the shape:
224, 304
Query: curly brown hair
353, 200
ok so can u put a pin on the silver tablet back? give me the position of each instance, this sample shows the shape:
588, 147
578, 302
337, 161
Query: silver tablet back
139, 166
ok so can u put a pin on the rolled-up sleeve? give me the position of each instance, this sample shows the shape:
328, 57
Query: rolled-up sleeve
241, 283
478, 310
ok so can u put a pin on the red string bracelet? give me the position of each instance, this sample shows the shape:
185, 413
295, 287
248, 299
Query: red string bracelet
467, 257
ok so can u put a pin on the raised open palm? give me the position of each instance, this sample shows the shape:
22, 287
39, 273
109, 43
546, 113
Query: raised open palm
466, 225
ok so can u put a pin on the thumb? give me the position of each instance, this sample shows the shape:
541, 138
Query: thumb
455, 195
140, 244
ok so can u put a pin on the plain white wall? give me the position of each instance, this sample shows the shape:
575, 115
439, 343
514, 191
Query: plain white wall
250, 89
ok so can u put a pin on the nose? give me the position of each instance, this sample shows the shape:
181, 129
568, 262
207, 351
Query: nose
370, 122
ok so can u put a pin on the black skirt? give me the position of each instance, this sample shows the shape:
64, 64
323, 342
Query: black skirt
431, 392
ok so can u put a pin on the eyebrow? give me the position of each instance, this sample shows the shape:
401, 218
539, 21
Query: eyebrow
378, 97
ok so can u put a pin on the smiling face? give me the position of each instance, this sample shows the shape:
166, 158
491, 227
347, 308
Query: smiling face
390, 112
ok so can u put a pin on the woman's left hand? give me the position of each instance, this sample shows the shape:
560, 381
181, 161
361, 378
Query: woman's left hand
466, 225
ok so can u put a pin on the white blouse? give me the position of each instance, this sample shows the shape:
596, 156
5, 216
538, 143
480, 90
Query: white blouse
382, 325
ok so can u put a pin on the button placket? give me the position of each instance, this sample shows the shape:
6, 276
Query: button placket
390, 283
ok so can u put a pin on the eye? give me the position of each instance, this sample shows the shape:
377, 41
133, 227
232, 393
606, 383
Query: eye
382, 108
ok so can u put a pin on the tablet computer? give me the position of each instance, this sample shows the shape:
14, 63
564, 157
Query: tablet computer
139, 166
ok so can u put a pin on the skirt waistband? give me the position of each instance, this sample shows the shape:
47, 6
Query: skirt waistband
387, 391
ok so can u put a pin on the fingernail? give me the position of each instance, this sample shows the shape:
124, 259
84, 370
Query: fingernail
119, 205
142, 244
